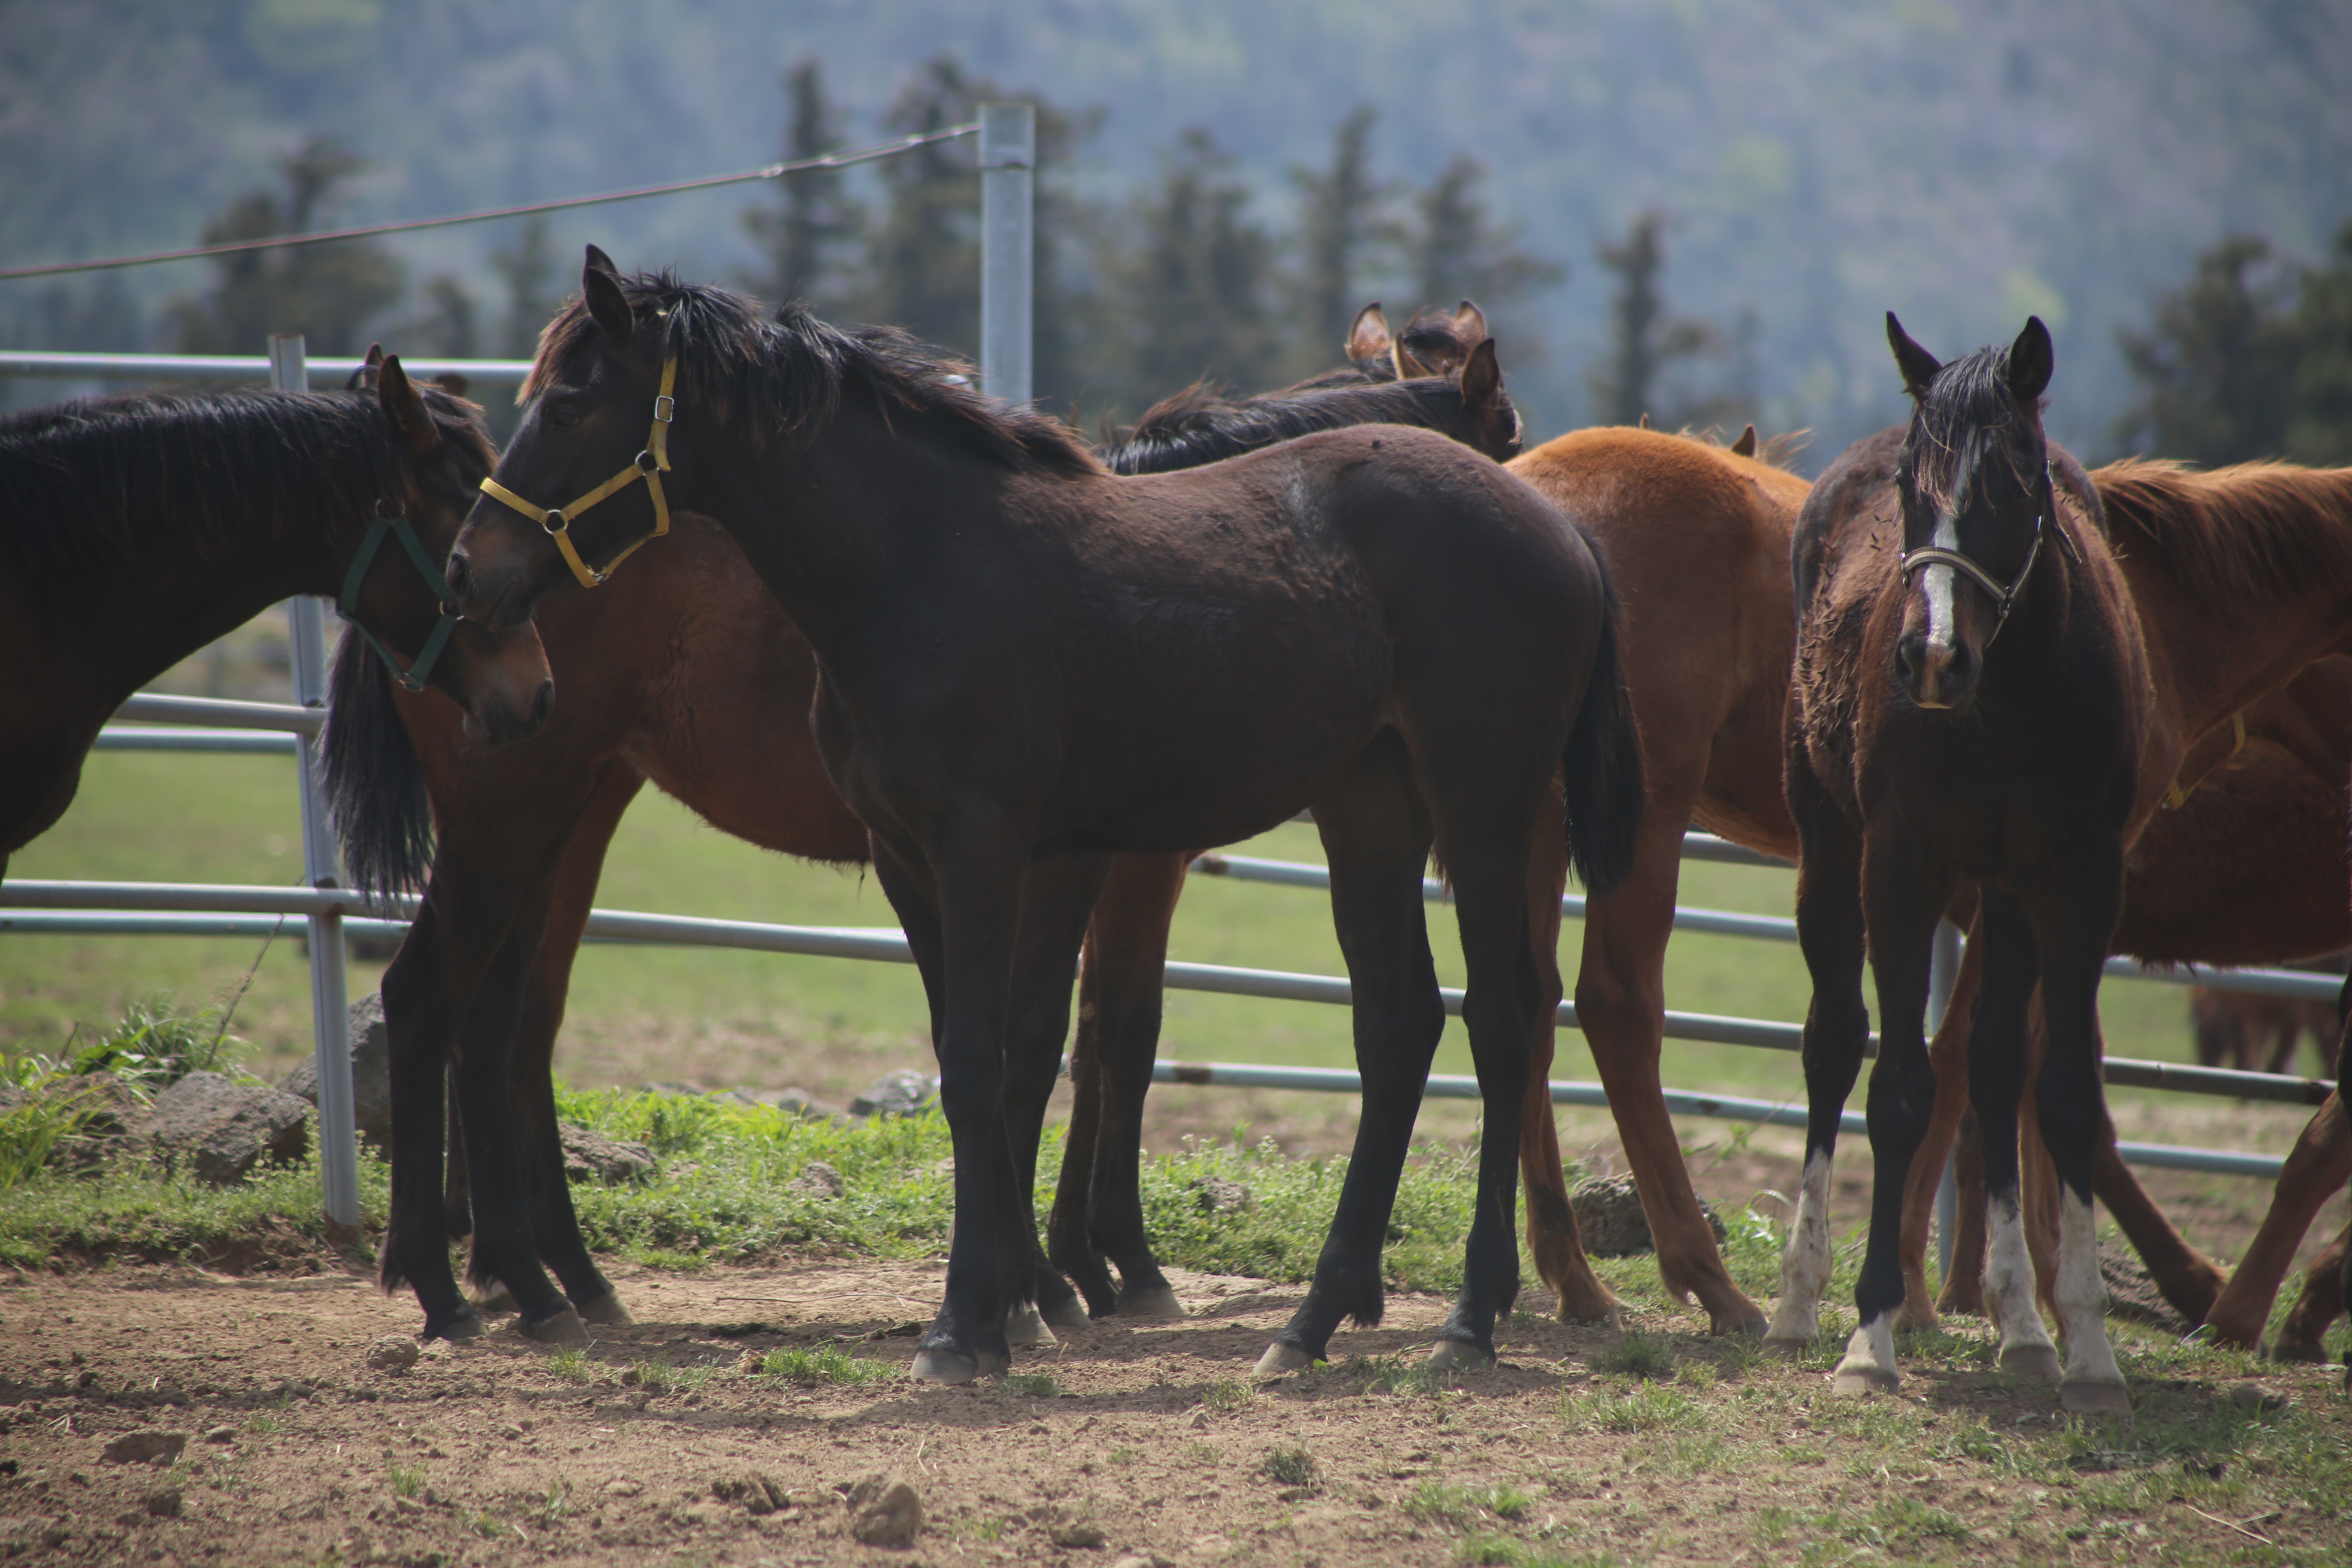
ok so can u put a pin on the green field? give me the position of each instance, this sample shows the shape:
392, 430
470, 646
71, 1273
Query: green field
233, 819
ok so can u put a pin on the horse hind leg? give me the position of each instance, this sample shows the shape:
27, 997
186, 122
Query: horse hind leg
1948, 1054
1996, 1077
2303, 1333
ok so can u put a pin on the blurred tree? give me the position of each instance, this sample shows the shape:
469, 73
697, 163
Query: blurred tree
2216, 372
922, 267
329, 293
805, 237
2319, 428
1346, 232
1647, 344
1189, 274
445, 328
98, 316
1456, 249
528, 270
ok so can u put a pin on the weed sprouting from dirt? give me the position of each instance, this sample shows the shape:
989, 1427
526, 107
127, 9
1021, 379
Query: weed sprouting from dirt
1293, 1467
1460, 1507
1637, 1355
556, 1503
1386, 1375
265, 1424
408, 1480
1229, 1394
826, 1362
661, 1375
572, 1366
1034, 1384
1644, 1407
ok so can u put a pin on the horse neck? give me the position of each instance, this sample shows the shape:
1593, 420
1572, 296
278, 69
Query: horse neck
2212, 652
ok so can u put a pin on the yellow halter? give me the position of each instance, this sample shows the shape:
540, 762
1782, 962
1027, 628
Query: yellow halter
650, 466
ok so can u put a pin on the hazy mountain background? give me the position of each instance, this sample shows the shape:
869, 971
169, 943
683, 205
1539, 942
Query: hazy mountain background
1809, 163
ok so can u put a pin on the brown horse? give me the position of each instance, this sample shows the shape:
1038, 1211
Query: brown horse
135, 529
2251, 1033
1927, 751
1027, 664
682, 670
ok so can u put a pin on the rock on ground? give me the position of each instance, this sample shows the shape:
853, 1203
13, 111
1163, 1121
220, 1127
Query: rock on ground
145, 1446
371, 1073
394, 1352
885, 1513
592, 1157
1217, 1195
221, 1130
817, 1180
902, 1093
1609, 1222
797, 1102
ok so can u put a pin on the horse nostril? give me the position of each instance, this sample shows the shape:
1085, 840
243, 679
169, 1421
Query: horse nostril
459, 573
544, 702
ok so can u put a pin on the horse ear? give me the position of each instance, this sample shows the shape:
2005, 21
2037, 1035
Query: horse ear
1470, 324
2031, 361
405, 407
1406, 366
601, 286
364, 379
1746, 445
1368, 335
1918, 366
1482, 378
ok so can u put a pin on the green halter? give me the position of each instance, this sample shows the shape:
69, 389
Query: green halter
415, 675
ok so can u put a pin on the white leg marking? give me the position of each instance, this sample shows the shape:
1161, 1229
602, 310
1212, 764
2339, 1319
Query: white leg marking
2025, 1344
2092, 1381
1869, 1364
1805, 1261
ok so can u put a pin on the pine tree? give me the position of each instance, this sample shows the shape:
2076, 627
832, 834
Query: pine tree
1647, 341
1345, 233
2319, 427
2216, 370
922, 259
804, 236
526, 269
1458, 251
329, 293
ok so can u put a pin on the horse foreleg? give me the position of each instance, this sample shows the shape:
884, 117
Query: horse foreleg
1837, 1025
1949, 1055
1098, 1216
1964, 1289
2319, 1164
1998, 1073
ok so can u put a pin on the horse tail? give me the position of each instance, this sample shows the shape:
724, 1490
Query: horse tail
376, 786
1603, 767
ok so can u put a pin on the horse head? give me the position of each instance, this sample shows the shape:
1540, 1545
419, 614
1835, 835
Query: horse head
396, 595
1974, 482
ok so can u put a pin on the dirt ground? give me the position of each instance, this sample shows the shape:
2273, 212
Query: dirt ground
1145, 1448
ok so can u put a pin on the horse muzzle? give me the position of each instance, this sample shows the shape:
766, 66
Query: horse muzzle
1936, 675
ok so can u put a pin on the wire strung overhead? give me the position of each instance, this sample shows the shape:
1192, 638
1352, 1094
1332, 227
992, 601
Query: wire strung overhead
773, 170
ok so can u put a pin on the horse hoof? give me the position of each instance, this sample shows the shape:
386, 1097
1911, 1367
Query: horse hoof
2284, 1350
1753, 1329
558, 1327
606, 1308
1069, 1312
1792, 1348
1159, 1301
495, 1301
1025, 1326
1280, 1360
1453, 1355
2087, 1398
1853, 1383
466, 1324
953, 1367
2030, 1361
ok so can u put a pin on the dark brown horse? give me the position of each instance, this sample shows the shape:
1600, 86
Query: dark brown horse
1028, 664
1971, 699
682, 671
135, 529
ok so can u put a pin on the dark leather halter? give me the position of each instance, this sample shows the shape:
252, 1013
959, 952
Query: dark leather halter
348, 602
2004, 596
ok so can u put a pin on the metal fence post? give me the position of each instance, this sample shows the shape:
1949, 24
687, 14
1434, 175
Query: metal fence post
1008, 157
1943, 971
329, 1013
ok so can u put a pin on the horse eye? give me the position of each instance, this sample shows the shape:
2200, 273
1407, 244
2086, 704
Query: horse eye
564, 416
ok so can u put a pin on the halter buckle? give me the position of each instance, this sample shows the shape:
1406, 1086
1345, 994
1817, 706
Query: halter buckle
665, 409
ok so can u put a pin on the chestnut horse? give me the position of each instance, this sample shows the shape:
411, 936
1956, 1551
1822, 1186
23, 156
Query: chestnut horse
135, 529
1028, 663
684, 671
1928, 751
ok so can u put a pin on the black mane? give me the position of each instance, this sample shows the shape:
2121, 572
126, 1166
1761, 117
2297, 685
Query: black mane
1200, 425
93, 483
784, 378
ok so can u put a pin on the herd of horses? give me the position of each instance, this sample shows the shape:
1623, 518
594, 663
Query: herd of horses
866, 616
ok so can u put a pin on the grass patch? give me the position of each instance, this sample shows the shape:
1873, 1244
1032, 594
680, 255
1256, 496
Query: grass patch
827, 1363
1293, 1467
1034, 1384
574, 1366
1646, 1407
1460, 1507
1229, 1394
408, 1480
1637, 1355
661, 1375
